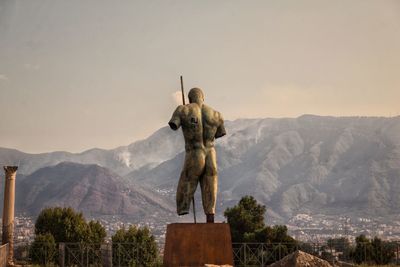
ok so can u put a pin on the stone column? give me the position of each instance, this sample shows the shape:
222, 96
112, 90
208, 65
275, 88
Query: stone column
8, 210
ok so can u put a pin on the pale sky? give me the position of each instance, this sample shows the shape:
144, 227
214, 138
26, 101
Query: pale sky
81, 74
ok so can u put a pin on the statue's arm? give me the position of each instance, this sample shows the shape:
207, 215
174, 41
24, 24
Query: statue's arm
175, 122
221, 128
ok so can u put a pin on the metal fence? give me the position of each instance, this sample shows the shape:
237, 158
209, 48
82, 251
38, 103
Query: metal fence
260, 254
88, 254
263, 254
245, 254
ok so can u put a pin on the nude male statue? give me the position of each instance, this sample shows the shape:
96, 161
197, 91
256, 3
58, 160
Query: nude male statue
200, 125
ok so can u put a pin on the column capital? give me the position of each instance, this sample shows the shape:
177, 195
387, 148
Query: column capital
10, 169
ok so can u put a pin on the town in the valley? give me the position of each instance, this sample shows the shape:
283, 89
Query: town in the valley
303, 227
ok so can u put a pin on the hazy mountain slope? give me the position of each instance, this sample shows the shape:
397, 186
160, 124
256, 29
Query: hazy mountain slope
308, 164
29, 163
160, 146
163, 145
88, 188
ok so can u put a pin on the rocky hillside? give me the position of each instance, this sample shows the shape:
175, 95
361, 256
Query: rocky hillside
308, 164
89, 188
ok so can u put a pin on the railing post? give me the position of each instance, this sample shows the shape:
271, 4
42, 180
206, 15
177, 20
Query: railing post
61, 256
106, 253
81, 249
119, 255
136, 249
245, 258
365, 252
45, 256
280, 256
262, 255
87, 249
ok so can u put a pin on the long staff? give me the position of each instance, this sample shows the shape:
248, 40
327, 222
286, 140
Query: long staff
184, 103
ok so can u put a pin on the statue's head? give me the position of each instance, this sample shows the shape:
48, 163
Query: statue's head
196, 96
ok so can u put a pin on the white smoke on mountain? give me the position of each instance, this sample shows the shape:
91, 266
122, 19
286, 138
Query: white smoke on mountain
125, 157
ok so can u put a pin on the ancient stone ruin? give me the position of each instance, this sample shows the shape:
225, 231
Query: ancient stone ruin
301, 259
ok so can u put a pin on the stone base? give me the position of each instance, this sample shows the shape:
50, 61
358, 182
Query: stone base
197, 244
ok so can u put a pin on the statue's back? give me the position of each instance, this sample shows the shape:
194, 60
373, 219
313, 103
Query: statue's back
212, 120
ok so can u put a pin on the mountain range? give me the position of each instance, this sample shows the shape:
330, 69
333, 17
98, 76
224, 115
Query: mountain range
310, 164
91, 189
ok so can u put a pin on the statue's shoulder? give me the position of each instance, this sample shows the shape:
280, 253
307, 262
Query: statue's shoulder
182, 108
186, 110
209, 111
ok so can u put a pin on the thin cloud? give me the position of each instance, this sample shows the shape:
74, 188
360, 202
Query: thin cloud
30, 66
3, 77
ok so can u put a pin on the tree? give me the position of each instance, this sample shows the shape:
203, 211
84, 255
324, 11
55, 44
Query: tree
43, 249
363, 250
245, 219
134, 247
67, 225
342, 245
96, 233
64, 224
274, 234
57, 225
383, 252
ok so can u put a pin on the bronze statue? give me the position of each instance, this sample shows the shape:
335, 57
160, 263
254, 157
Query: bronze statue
200, 125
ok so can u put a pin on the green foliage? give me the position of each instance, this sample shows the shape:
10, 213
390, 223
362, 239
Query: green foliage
134, 247
245, 219
383, 252
43, 249
307, 247
96, 232
339, 244
342, 245
56, 225
274, 234
372, 251
64, 224
67, 225
363, 250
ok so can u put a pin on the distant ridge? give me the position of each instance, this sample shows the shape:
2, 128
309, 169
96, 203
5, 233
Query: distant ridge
310, 164
158, 147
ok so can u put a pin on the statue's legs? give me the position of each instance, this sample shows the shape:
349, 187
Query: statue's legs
209, 182
192, 170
